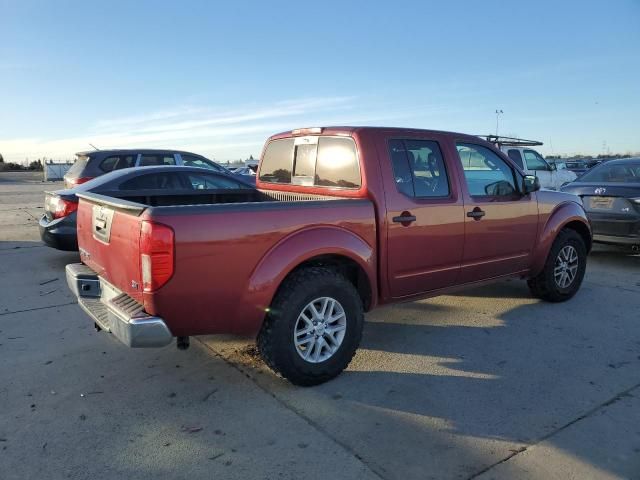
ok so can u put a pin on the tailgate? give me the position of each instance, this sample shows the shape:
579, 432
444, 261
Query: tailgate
109, 240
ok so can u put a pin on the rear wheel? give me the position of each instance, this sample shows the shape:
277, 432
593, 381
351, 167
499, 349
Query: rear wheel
313, 327
563, 270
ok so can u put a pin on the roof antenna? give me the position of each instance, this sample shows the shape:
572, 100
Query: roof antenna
96, 148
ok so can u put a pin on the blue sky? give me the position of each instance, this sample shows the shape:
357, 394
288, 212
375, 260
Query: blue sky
218, 77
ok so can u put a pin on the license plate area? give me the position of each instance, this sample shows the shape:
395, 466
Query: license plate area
601, 203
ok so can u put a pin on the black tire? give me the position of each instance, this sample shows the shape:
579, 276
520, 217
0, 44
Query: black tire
544, 285
275, 340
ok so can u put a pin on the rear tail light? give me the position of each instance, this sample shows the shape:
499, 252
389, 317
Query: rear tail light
59, 207
74, 182
156, 255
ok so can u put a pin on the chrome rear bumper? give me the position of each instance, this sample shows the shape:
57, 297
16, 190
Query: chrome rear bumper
114, 311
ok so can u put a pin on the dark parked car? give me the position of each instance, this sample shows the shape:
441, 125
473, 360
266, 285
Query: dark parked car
89, 165
577, 166
611, 196
58, 224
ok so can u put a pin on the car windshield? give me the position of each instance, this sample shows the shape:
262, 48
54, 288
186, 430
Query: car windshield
628, 172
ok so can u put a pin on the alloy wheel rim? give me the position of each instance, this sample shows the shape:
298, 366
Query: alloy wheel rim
566, 266
320, 329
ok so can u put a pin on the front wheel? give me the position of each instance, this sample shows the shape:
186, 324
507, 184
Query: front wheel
313, 326
563, 270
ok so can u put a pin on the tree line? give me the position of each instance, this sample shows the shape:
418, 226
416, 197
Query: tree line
11, 166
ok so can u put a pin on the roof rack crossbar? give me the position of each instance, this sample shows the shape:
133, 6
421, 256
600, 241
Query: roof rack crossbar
510, 141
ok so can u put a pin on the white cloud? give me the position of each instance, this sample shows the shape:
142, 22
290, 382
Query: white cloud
224, 135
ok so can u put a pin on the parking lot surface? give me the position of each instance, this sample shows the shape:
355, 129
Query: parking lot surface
488, 384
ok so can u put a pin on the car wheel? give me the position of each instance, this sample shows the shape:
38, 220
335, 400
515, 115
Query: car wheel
563, 270
313, 327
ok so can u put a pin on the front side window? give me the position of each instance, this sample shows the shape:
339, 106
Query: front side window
148, 160
194, 161
418, 168
535, 161
486, 174
516, 157
116, 162
312, 161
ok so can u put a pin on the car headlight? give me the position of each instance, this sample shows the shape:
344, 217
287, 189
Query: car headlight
635, 200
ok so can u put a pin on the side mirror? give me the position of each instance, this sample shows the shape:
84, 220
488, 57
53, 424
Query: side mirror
530, 184
553, 167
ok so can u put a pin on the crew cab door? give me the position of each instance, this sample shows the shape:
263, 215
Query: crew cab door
500, 222
424, 215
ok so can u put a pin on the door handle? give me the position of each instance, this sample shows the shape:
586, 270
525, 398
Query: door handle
477, 213
405, 218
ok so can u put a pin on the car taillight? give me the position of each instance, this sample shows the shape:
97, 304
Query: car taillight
59, 207
156, 255
73, 182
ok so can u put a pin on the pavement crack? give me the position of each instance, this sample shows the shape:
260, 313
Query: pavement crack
296, 411
587, 414
37, 308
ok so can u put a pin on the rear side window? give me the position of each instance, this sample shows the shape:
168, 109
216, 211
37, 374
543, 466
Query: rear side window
203, 181
312, 161
116, 162
418, 168
516, 157
154, 181
147, 160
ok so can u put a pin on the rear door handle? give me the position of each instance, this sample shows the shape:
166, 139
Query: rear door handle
477, 213
405, 218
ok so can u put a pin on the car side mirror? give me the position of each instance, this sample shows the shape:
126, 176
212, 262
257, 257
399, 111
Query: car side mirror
530, 184
553, 167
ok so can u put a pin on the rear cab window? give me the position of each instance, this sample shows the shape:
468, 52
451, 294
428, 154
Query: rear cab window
317, 161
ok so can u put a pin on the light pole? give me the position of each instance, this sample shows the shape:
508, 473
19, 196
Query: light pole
498, 113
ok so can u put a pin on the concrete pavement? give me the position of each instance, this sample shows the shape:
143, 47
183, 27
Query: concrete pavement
486, 384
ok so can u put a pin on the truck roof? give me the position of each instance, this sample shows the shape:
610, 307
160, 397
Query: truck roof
350, 130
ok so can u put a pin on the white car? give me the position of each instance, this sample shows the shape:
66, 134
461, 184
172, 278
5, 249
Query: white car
519, 150
551, 177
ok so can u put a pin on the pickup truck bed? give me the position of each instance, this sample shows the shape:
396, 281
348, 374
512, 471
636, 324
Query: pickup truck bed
221, 245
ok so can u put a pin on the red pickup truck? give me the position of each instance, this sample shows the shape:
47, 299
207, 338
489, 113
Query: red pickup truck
343, 219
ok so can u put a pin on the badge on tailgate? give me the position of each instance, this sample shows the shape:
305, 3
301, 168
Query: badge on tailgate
101, 223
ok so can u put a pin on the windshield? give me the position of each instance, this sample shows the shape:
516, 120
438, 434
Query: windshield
614, 173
